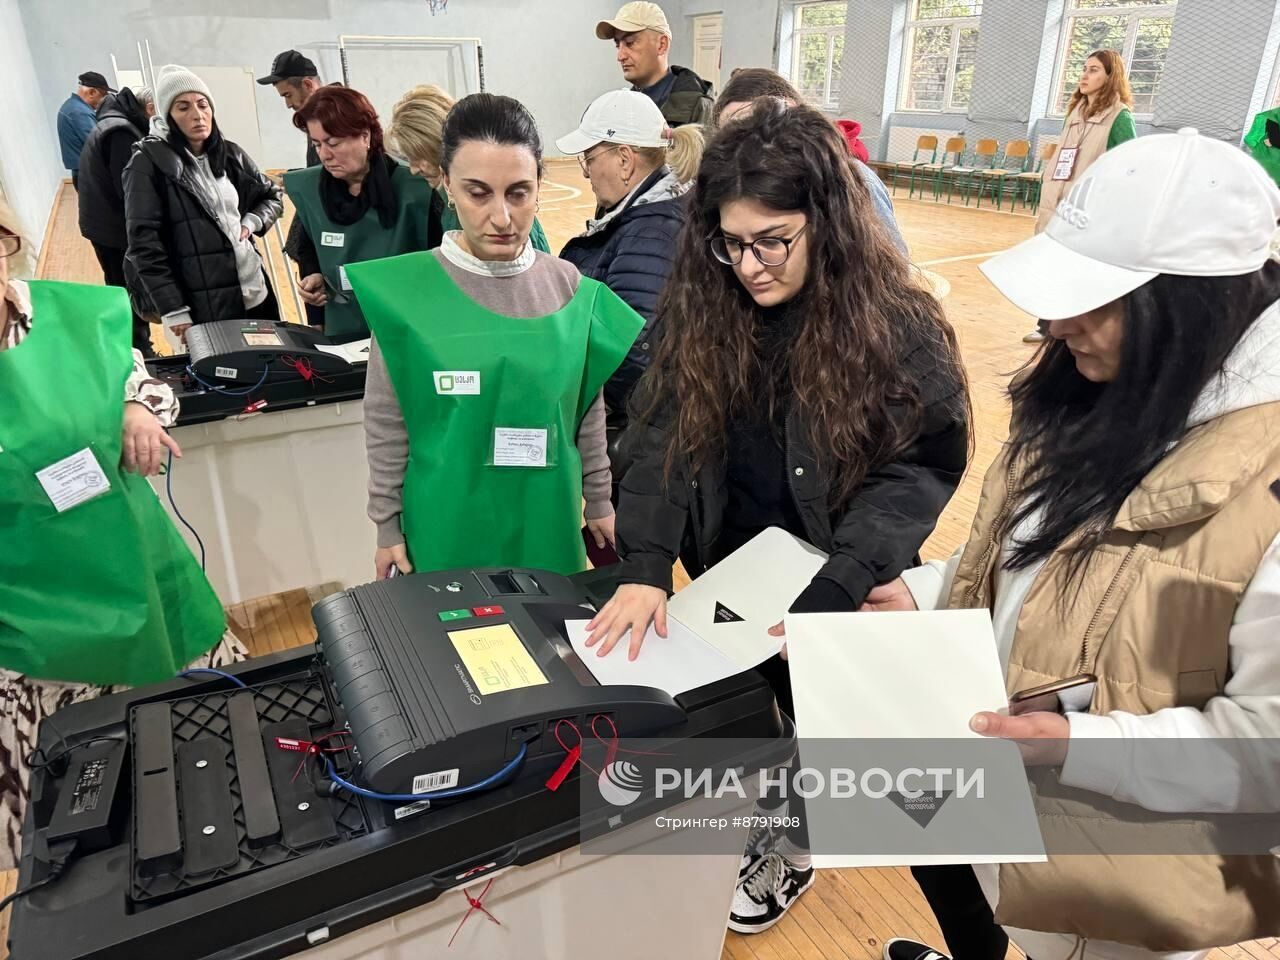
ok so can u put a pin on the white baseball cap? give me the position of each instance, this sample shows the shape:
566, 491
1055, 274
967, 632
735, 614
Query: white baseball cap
1173, 203
632, 18
619, 116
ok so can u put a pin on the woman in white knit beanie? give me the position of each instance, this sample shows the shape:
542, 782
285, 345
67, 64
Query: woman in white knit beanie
193, 202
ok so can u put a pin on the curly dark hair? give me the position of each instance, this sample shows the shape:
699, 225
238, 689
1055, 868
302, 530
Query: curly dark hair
856, 317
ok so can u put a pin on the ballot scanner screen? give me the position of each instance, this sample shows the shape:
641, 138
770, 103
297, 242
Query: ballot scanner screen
496, 659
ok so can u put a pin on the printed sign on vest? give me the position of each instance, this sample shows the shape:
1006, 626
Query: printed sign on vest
457, 383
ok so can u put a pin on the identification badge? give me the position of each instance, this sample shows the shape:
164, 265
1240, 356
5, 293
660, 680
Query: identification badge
1066, 164
333, 239
457, 383
70, 482
342, 276
515, 447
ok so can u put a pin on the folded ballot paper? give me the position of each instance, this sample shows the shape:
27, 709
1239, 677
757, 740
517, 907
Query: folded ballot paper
896, 691
718, 626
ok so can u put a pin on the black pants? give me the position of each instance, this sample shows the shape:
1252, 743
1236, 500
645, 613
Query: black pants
962, 912
315, 315
778, 674
268, 309
75, 185
112, 262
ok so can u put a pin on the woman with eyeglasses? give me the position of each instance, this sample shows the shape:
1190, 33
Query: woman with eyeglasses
483, 414
802, 380
630, 157
416, 131
359, 204
97, 588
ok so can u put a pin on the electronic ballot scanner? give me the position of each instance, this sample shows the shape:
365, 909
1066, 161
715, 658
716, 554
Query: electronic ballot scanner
316, 794
242, 352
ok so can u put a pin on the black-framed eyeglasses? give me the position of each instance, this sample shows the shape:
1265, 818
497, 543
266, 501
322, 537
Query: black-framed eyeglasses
9, 244
768, 251
584, 159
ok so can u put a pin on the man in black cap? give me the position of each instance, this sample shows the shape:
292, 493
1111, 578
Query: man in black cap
296, 78
76, 118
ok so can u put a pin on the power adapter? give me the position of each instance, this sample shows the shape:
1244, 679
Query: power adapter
89, 809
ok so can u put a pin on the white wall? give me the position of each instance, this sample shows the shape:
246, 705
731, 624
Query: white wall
544, 52
750, 30
30, 163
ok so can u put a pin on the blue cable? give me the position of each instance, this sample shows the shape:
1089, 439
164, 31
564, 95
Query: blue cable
168, 485
187, 674
485, 784
223, 390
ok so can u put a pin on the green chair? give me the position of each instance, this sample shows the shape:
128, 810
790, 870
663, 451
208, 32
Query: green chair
1017, 154
955, 148
927, 142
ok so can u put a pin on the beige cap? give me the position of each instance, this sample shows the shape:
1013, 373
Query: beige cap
633, 18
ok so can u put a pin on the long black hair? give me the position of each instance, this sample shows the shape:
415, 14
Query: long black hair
489, 118
1087, 445
215, 148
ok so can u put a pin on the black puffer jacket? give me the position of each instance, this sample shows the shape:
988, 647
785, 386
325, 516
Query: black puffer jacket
178, 255
870, 541
122, 122
633, 255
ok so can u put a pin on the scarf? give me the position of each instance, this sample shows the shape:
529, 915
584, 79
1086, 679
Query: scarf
660, 185
344, 209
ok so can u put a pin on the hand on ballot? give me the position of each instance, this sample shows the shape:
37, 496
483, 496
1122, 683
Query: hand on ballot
633, 607
1041, 735
893, 595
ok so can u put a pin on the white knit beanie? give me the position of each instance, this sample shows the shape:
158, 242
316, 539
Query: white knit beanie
172, 81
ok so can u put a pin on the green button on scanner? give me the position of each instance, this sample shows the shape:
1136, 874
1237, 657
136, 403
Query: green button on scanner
455, 615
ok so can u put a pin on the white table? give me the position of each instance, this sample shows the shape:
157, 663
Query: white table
278, 498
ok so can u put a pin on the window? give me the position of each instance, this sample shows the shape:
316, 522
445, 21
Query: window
942, 46
817, 47
1139, 30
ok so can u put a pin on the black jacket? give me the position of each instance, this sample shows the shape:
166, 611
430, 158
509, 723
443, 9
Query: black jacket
122, 122
690, 100
633, 256
869, 542
178, 255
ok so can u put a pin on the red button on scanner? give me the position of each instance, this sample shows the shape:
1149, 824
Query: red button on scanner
488, 611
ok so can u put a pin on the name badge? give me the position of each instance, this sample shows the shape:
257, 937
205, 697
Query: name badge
519, 448
1066, 164
457, 383
73, 480
332, 239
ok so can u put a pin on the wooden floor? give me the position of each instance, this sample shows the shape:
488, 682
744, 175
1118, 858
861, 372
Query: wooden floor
848, 913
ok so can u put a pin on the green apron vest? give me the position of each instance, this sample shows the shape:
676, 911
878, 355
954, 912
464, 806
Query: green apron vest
105, 592
338, 245
449, 222
461, 374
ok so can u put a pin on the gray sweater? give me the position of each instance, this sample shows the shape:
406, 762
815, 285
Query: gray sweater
534, 285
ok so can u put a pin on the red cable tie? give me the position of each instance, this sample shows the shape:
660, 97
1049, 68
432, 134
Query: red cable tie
574, 755
474, 904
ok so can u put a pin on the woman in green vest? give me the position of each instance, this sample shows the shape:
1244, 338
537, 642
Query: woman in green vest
97, 588
359, 204
416, 131
484, 419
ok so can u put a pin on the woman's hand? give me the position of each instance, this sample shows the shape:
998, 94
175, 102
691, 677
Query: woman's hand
1042, 737
312, 289
633, 607
144, 441
180, 331
245, 234
602, 530
384, 557
893, 595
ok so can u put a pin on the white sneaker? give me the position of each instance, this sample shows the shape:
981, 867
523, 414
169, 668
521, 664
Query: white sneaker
900, 948
760, 841
767, 892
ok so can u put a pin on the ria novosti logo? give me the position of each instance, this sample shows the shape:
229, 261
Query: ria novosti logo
621, 783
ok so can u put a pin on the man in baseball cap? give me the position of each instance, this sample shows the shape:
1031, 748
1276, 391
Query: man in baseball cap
1176, 203
642, 35
76, 118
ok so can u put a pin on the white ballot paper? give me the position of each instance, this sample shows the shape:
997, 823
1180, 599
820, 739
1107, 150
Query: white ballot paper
718, 626
861, 677
357, 351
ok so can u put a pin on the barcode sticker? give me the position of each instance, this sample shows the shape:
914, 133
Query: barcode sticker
410, 809
227, 373
440, 780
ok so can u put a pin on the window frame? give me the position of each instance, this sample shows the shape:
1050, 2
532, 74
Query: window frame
958, 25
1162, 11
830, 97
